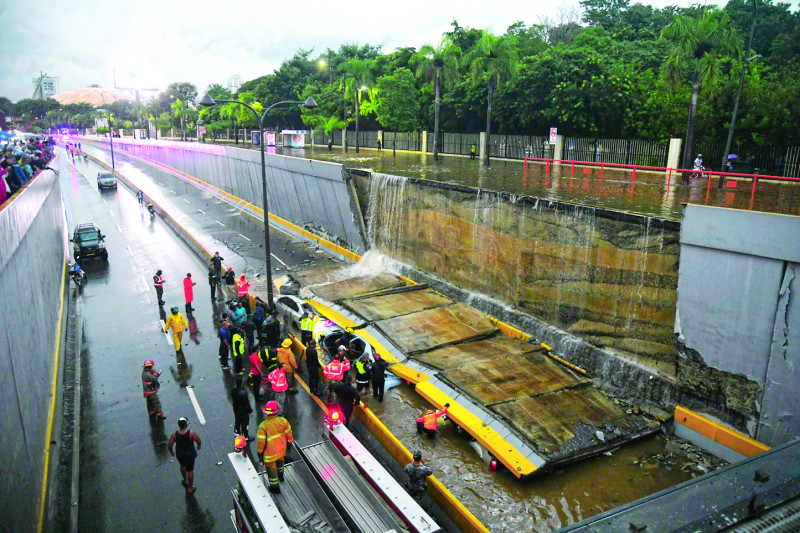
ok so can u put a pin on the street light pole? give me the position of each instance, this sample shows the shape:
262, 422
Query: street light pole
111, 140
309, 103
747, 59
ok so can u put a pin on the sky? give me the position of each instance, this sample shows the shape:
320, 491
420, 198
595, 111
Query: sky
82, 42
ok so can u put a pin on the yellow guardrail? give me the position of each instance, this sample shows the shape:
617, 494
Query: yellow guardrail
719, 433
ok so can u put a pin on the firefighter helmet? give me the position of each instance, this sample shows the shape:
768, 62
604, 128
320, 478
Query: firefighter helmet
271, 408
286, 343
148, 363
240, 442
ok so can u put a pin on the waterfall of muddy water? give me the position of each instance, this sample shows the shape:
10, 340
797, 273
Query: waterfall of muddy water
506, 504
600, 275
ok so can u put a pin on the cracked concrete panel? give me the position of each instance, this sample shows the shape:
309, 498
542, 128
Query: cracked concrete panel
339, 290
451, 357
726, 308
780, 415
391, 305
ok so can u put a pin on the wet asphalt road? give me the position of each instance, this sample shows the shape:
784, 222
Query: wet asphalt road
129, 482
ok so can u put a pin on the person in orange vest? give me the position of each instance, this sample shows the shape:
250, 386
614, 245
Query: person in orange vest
150, 388
277, 379
243, 291
158, 283
178, 323
334, 372
427, 423
286, 356
274, 437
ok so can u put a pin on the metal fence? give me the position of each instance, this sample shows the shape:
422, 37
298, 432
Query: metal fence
620, 151
774, 160
454, 143
404, 140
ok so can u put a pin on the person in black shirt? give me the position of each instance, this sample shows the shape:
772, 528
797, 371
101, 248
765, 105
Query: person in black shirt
313, 366
348, 397
242, 409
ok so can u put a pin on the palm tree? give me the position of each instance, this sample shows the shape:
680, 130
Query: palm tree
179, 107
700, 44
357, 76
438, 62
328, 126
229, 110
492, 60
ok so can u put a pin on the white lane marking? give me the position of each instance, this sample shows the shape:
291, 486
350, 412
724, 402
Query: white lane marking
146, 284
243, 237
112, 212
193, 398
187, 201
119, 228
129, 250
202, 211
173, 192
167, 335
220, 223
104, 200
278, 259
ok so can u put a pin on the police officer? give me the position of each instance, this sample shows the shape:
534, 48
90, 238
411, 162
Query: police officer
313, 367
238, 349
417, 474
213, 280
363, 371
158, 283
379, 376
306, 326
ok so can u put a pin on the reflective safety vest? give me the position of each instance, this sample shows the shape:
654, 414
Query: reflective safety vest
242, 286
238, 345
335, 369
429, 420
278, 379
274, 434
158, 281
304, 324
361, 368
269, 360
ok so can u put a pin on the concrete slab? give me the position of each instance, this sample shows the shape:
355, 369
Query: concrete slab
452, 357
392, 305
339, 290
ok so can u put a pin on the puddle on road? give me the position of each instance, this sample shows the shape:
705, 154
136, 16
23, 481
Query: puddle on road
506, 504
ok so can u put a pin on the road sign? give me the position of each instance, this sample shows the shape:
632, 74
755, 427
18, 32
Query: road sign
553, 135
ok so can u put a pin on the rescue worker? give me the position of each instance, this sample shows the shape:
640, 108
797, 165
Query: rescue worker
345, 339
188, 292
286, 356
313, 367
334, 371
224, 344
306, 327
178, 323
472, 151
272, 329
274, 436
269, 362
238, 349
363, 371
348, 398
158, 283
243, 292
277, 378
213, 280
255, 375
216, 262
150, 388
417, 474
379, 376
184, 440
427, 423
241, 409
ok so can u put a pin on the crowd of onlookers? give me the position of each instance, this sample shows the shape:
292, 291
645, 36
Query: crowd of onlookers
20, 160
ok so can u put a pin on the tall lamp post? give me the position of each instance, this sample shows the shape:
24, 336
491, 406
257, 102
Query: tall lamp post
309, 103
747, 59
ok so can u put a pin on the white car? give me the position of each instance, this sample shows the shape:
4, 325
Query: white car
327, 334
293, 306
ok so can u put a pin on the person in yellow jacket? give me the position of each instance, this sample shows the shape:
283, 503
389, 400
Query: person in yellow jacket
286, 356
274, 436
178, 323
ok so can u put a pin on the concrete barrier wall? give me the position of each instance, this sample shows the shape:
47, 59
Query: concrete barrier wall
604, 276
312, 194
738, 315
32, 253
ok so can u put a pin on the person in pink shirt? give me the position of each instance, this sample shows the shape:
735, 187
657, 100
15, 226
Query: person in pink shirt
188, 292
255, 375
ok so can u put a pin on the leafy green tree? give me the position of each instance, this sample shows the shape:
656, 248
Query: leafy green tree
700, 45
357, 77
179, 110
492, 61
396, 102
435, 63
164, 123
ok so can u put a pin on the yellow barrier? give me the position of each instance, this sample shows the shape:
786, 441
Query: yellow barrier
719, 433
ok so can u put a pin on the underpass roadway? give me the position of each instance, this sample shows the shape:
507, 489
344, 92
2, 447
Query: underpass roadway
127, 479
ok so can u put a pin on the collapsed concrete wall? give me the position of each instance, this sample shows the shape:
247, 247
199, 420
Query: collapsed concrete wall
604, 276
32, 251
296, 188
738, 318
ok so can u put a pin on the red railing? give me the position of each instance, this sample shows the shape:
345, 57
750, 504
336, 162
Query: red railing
669, 171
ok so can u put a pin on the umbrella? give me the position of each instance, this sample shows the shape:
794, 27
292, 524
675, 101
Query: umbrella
733, 156
4, 135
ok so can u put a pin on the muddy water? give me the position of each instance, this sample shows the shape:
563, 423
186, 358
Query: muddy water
656, 194
506, 504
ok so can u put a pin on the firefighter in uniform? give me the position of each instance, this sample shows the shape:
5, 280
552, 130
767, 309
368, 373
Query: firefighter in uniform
178, 323
286, 356
150, 388
158, 283
274, 436
334, 371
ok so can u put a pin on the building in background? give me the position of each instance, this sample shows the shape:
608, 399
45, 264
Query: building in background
45, 86
234, 82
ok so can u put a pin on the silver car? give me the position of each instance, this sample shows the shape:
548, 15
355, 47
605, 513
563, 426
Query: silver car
293, 306
106, 180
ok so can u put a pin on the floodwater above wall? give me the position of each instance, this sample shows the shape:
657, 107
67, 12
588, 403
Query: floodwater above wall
655, 194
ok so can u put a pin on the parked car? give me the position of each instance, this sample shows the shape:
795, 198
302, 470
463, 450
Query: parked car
328, 333
106, 180
87, 241
293, 306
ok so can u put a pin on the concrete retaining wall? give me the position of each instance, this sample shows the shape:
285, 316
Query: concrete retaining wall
738, 317
32, 253
311, 194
